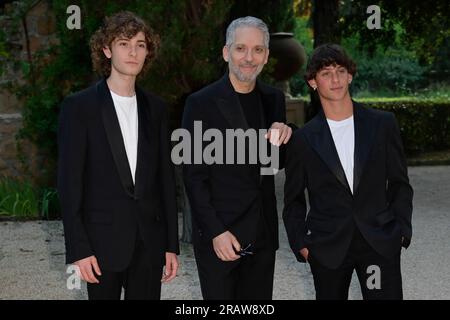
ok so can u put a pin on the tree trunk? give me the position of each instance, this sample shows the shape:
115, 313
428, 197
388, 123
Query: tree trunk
325, 22
326, 30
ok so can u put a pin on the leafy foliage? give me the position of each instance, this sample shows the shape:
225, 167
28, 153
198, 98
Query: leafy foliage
277, 14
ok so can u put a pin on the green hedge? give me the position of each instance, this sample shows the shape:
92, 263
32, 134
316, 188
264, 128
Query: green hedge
424, 123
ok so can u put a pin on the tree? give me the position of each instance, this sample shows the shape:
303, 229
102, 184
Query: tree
426, 25
277, 14
325, 17
420, 26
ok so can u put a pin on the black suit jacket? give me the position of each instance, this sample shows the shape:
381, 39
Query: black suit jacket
102, 209
231, 196
381, 205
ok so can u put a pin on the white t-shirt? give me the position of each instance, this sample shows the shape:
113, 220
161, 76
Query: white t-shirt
126, 110
343, 133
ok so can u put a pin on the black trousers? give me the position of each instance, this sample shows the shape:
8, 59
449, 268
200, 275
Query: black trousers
140, 281
248, 278
379, 277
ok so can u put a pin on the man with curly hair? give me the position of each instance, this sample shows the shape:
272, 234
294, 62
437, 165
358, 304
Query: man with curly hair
115, 176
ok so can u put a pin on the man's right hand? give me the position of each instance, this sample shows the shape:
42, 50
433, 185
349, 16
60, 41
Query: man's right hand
305, 253
85, 266
223, 246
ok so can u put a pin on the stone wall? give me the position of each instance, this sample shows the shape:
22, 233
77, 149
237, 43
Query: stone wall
295, 111
39, 33
9, 125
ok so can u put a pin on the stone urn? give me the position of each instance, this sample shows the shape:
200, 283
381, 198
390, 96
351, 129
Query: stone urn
289, 55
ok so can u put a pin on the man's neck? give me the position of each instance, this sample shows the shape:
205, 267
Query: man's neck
337, 110
121, 85
240, 86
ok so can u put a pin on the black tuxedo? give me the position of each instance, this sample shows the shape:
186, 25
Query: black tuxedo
233, 197
104, 212
380, 207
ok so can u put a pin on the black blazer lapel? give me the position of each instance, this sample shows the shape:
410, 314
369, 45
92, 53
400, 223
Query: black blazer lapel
364, 138
321, 140
229, 105
145, 124
115, 138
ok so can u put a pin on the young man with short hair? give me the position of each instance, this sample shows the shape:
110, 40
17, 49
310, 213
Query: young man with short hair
350, 159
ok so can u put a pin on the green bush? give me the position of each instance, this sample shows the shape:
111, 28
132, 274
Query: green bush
18, 199
21, 200
397, 73
424, 123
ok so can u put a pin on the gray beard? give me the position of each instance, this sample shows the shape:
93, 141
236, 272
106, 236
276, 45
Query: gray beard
242, 77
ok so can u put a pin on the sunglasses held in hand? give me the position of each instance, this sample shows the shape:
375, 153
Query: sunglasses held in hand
247, 251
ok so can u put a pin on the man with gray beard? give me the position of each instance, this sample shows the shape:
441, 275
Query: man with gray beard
235, 221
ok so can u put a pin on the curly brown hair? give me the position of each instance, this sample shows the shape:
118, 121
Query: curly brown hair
327, 55
121, 24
